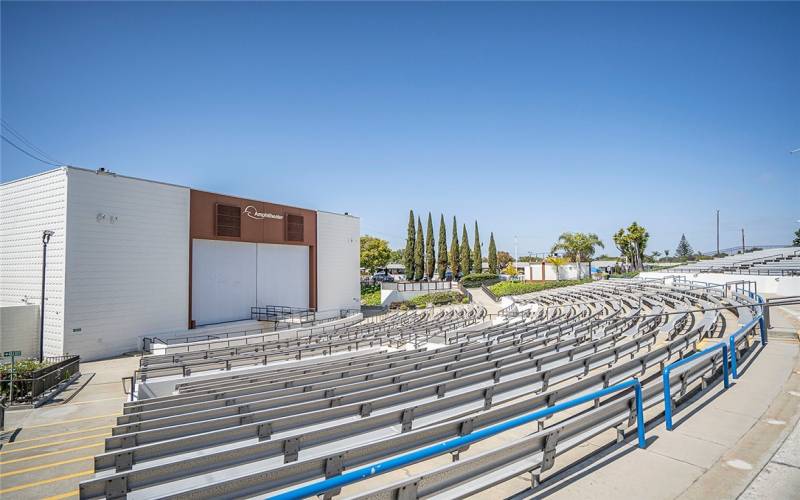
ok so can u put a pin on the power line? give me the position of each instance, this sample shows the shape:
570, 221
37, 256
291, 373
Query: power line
28, 143
28, 153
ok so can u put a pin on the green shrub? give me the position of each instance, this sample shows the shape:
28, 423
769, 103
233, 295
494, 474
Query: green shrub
404, 305
477, 279
632, 274
437, 299
521, 287
465, 300
22, 368
371, 295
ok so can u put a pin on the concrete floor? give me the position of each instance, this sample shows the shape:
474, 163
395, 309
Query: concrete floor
744, 441
47, 451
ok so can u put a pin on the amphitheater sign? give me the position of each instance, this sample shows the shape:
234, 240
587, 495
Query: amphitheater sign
251, 212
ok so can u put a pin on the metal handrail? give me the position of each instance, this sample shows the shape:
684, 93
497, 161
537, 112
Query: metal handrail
336, 482
668, 369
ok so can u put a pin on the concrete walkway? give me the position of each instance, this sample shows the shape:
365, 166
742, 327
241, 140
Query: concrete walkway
46, 452
482, 298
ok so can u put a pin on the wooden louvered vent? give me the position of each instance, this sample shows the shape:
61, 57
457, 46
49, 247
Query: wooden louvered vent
228, 221
294, 228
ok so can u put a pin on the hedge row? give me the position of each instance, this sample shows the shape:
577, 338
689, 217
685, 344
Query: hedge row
477, 279
437, 299
520, 287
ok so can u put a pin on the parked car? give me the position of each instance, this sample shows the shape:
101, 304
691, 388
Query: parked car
382, 276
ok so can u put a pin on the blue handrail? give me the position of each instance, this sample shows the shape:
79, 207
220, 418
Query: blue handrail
319, 487
743, 331
681, 362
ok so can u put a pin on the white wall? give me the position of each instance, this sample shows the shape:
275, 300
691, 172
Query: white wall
230, 277
19, 329
127, 272
282, 275
223, 280
338, 243
27, 207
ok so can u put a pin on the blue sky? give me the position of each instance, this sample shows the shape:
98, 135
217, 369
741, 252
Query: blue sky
531, 118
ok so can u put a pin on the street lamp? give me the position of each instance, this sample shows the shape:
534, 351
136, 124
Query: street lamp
45, 240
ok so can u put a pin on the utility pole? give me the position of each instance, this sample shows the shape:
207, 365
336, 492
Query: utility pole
743, 247
717, 233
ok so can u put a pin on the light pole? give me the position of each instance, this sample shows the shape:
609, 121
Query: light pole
45, 240
717, 234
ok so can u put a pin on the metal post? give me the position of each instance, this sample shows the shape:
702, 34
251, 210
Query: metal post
45, 240
717, 233
743, 247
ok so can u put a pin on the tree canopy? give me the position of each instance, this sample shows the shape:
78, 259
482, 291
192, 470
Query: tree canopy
430, 256
441, 265
492, 255
477, 257
375, 253
577, 246
796, 242
465, 253
455, 252
411, 240
419, 253
631, 243
684, 249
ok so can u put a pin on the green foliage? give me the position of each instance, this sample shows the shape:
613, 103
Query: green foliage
631, 274
396, 257
455, 252
408, 255
466, 258
375, 253
430, 256
684, 249
441, 265
509, 270
437, 299
492, 255
419, 253
518, 288
23, 368
503, 258
632, 243
465, 300
404, 305
796, 242
477, 258
371, 295
478, 279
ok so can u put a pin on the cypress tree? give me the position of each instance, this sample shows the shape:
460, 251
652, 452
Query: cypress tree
455, 253
419, 253
442, 264
492, 255
430, 256
477, 258
465, 253
408, 254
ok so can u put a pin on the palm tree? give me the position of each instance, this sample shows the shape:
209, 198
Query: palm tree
556, 261
577, 246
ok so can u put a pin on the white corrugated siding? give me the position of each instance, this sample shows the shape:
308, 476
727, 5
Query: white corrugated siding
127, 272
338, 242
27, 207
